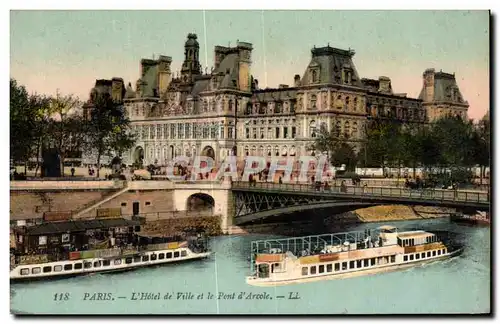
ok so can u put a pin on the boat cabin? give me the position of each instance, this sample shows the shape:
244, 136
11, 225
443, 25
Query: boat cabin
55, 238
269, 263
387, 235
416, 238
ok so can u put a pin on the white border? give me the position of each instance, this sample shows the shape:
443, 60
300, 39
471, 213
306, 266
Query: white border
182, 4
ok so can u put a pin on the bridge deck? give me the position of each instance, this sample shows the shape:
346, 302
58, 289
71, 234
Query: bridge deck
441, 195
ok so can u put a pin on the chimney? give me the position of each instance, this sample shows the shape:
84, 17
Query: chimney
429, 85
296, 80
164, 73
384, 85
117, 89
220, 53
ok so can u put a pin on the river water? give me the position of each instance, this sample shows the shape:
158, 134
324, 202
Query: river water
459, 285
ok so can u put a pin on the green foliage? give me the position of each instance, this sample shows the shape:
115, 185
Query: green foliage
344, 154
21, 122
339, 152
56, 123
108, 128
450, 143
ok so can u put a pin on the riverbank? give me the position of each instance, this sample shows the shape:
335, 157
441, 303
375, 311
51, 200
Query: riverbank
400, 212
178, 226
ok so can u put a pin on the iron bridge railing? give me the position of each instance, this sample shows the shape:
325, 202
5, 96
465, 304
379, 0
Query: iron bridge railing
373, 192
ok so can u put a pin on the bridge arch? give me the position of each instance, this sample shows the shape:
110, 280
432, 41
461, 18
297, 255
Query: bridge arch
200, 202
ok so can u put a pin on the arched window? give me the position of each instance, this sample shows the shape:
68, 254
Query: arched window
276, 150
354, 132
312, 129
313, 102
246, 150
269, 150
347, 130
248, 111
230, 105
254, 150
205, 105
322, 127
355, 105
347, 102
261, 151
314, 75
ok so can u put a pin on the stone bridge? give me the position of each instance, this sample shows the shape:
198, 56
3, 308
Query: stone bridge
239, 203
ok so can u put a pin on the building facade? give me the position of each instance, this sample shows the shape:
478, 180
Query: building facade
224, 112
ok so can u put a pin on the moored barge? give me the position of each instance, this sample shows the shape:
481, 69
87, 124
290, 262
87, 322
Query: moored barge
77, 247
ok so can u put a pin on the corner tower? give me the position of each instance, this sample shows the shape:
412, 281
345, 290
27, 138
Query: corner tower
441, 95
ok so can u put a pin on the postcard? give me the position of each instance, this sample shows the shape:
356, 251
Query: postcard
250, 162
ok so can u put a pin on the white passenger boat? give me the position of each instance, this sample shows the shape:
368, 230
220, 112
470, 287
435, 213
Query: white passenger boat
121, 261
48, 255
343, 255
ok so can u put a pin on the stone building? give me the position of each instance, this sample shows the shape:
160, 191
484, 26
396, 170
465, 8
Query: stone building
223, 112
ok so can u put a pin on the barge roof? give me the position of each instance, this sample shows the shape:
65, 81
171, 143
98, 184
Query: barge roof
78, 226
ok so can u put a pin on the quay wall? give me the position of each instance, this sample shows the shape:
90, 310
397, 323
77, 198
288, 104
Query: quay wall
35, 185
26, 204
148, 201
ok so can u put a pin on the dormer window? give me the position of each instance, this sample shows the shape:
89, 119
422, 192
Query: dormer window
314, 72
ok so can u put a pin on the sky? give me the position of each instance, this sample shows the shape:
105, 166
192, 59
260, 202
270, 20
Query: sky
67, 51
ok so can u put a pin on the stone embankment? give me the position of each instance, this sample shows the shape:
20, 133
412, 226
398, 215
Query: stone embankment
179, 226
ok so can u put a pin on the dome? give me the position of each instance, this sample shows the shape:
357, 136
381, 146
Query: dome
192, 40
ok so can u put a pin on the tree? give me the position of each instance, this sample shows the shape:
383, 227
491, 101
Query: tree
383, 142
21, 122
344, 154
454, 137
66, 127
108, 129
41, 104
481, 140
326, 141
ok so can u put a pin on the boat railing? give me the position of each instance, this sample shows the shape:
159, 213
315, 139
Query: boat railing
310, 245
